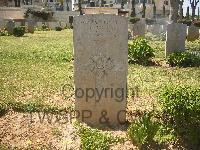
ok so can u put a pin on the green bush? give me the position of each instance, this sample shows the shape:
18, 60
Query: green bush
183, 59
182, 106
58, 28
185, 21
134, 19
142, 131
19, 31
146, 131
3, 32
94, 139
139, 51
45, 27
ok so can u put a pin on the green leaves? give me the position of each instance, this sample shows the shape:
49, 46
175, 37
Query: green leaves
94, 139
182, 105
19, 31
183, 59
139, 51
143, 130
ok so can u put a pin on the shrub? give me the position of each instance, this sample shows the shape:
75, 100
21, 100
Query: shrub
165, 134
182, 105
3, 32
94, 139
185, 21
19, 31
139, 51
183, 59
58, 28
39, 14
45, 27
142, 131
134, 20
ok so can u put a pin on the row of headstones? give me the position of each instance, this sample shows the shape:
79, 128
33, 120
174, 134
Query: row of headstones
140, 28
101, 66
31, 25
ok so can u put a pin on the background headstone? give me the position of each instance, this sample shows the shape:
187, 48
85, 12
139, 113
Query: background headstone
1, 24
101, 66
10, 26
139, 28
156, 30
175, 38
53, 25
31, 25
193, 33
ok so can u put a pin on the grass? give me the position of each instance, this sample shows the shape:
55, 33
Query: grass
36, 66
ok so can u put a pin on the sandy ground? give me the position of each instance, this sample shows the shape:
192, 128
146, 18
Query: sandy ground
39, 130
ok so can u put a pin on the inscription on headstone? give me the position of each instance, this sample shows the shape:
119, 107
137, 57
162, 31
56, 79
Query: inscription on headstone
101, 64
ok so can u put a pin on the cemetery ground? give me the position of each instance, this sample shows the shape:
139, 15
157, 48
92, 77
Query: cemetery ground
36, 76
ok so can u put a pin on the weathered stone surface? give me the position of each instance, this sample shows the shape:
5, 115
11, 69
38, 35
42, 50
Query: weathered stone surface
31, 25
149, 28
10, 26
164, 29
138, 29
193, 33
101, 64
1, 23
175, 38
156, 30
53, 25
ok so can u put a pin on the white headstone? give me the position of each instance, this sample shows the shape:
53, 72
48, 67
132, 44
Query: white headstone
101, 66
175, 38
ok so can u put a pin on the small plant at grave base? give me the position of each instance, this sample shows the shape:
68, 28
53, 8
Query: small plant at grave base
45, 27
165, 134
58, 28
3, 108
92, 139
19, 31
182, 106
3, 32
146, 132
139, 51
142, 131
183, 59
